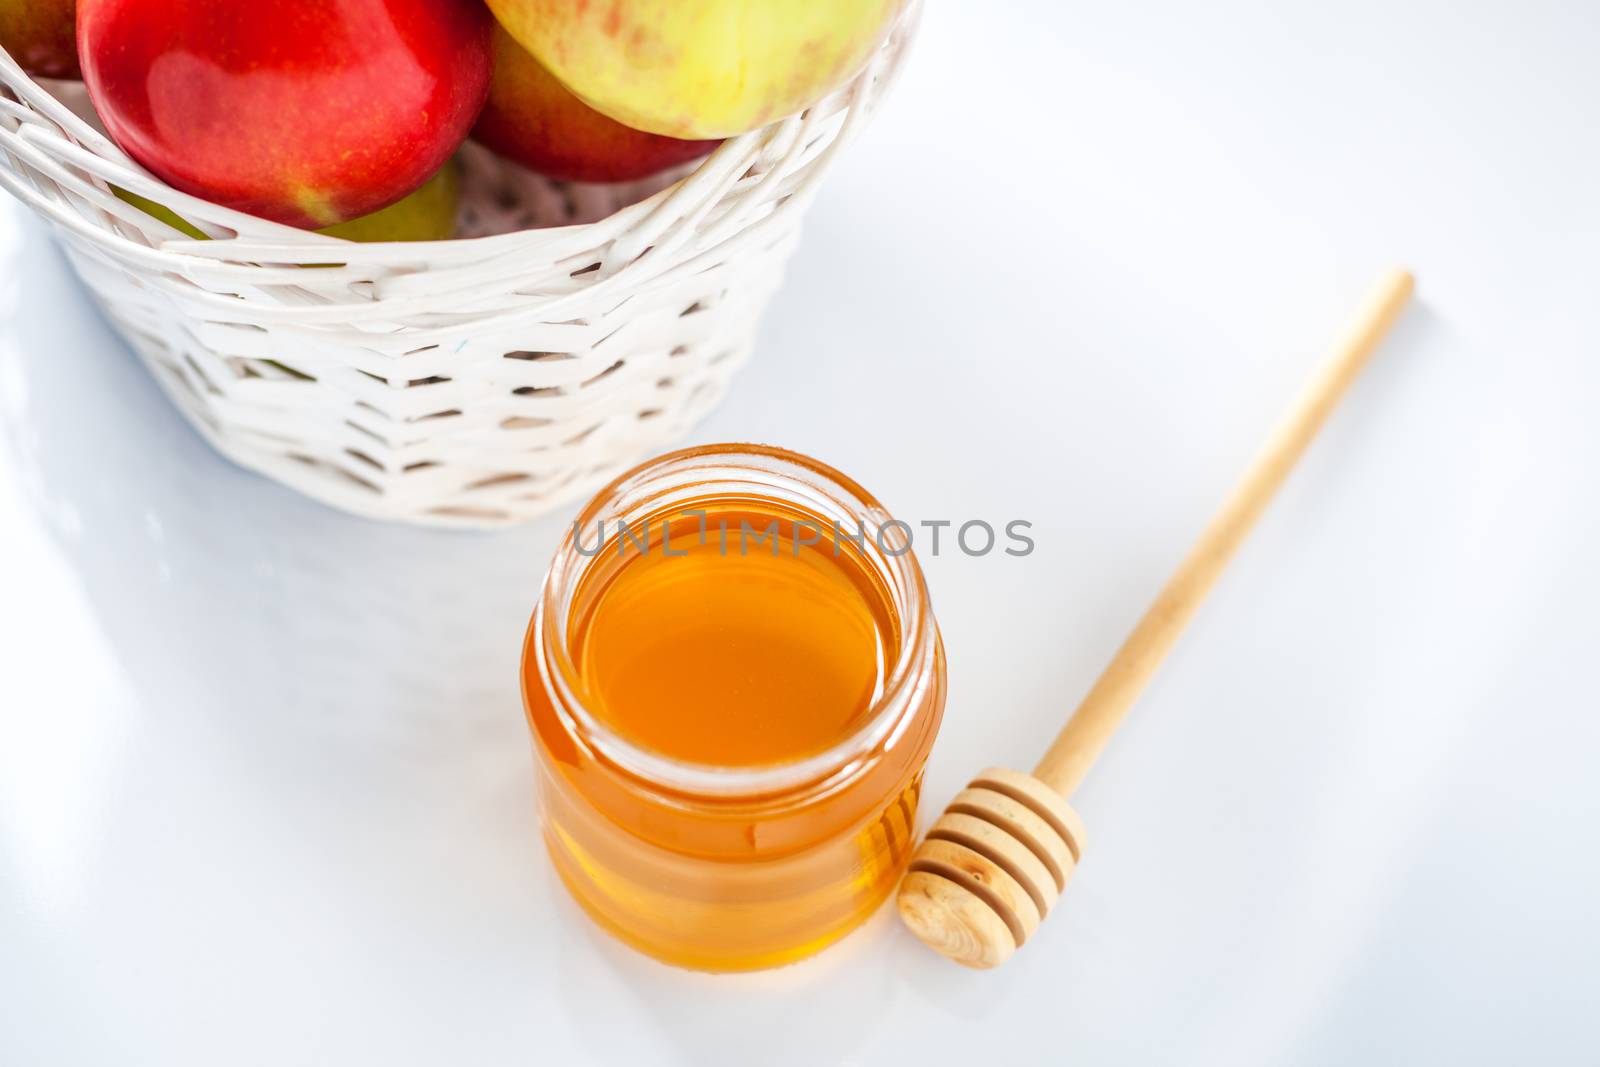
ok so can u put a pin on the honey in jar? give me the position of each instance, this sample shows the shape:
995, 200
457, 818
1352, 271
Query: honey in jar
733, 681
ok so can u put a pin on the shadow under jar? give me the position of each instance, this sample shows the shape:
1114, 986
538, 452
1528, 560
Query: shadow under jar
733, 678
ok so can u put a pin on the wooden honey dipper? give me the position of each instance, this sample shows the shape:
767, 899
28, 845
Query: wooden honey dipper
997, 860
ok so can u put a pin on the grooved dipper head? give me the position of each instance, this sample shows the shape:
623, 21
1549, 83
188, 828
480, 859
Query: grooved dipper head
991, 868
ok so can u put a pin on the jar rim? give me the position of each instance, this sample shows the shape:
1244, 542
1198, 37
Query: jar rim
693, 473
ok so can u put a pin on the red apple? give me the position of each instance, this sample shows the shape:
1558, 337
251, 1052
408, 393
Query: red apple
533, 119
304, 113
39, 36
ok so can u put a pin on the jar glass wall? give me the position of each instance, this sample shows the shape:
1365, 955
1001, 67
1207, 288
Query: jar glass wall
732, 867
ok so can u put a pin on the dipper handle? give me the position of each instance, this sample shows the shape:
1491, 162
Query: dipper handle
994, 864
1087, 733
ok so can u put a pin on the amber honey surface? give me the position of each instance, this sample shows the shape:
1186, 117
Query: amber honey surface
735, 637
715, 647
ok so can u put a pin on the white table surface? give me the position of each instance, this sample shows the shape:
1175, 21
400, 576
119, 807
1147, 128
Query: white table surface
265, 789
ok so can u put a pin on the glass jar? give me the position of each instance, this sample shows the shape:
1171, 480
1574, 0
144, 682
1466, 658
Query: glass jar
733, 868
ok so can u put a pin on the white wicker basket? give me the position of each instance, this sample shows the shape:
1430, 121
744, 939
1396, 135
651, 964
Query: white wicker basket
472, 382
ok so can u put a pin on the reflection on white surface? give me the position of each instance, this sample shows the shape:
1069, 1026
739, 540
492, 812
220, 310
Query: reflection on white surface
53, 755
52, 761
264, 784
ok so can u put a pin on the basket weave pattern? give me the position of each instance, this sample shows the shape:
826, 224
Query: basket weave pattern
480, 381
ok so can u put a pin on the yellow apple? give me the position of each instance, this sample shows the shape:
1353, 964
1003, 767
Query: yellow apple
160, 211
699, 69
429, 214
